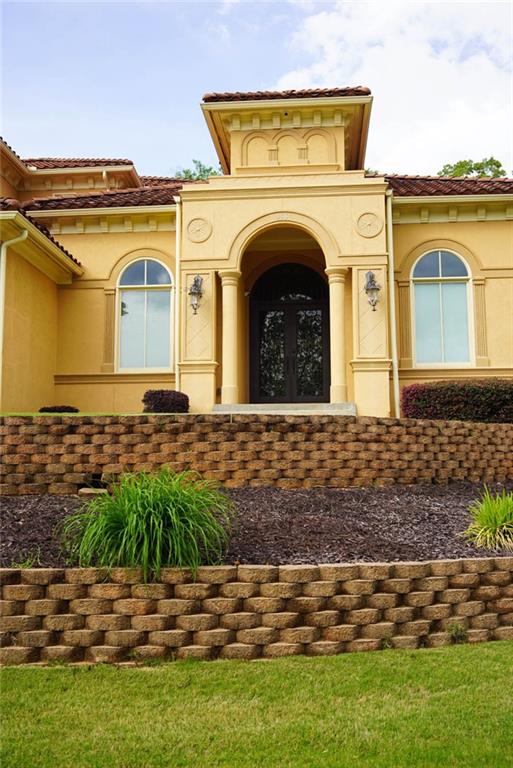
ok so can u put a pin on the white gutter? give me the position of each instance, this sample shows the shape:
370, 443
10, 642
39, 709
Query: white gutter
3, 270
391, 292
178, 255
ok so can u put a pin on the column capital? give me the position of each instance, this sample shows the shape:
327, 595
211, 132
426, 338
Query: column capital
229, 276
337, 274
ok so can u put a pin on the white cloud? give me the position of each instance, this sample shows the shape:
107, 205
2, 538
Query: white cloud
440, 74
226, 6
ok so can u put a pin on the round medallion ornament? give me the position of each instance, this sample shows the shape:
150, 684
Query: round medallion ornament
369, 225
199, 230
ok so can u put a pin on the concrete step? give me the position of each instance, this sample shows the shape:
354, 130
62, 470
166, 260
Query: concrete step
289, 409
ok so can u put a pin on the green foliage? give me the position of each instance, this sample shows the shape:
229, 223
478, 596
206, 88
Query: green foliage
487, 400
492, 521
151, 521
199, 172
457, 632
488, 167
31, 560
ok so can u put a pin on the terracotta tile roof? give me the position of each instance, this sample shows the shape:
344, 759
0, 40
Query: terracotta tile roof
306, 93
159, 181
11, 204
73, 162
419, 186
151, 195
16, 155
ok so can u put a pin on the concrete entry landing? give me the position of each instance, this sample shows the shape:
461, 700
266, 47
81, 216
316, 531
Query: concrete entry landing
289, 409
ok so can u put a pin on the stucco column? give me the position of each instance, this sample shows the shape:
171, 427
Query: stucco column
230, 286
338, 385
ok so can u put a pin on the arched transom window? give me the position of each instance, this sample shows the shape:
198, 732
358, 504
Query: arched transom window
441, 301
144, 313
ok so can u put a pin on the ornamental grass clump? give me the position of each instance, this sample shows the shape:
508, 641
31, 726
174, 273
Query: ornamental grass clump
492, 521
151, 521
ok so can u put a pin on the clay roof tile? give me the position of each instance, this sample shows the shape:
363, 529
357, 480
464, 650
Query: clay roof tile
305, 93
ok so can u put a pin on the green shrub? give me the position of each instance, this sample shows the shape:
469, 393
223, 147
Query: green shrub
151, 521
492, 521
488, 400
457, 632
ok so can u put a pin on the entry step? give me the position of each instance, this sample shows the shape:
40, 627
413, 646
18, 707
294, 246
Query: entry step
289, 409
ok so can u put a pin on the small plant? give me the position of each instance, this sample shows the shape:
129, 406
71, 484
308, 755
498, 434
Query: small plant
151, 521
457, 632
58, 409
165, 401
32, 560
386, 643
492, 521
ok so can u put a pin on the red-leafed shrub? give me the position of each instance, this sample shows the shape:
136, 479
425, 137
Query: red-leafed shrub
165, 401
489, 400
59, 409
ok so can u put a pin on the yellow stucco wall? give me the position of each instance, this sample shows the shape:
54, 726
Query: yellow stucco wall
487, 247
30, 337
84, 377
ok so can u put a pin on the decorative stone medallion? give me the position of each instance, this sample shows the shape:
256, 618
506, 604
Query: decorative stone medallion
369, 224
199, 230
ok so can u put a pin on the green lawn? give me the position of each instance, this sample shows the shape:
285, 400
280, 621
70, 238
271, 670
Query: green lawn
445, 707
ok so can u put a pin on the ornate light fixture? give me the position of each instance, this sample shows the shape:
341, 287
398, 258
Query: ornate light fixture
196, 293
372, 289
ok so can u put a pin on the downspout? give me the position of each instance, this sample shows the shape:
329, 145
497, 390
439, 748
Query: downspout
391, 292
178, 256
3, 270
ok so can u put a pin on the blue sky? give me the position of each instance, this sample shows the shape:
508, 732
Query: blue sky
123, 79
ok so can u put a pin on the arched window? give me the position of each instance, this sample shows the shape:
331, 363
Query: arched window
441, 301
144, 314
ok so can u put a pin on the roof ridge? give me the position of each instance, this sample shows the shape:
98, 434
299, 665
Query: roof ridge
443, 178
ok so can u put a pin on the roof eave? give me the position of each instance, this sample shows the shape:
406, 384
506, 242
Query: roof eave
104, 210
415, 199
52, 251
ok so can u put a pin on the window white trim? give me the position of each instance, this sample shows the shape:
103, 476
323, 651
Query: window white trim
117, 339
470, 310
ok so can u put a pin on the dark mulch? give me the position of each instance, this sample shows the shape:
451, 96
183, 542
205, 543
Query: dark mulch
416, 522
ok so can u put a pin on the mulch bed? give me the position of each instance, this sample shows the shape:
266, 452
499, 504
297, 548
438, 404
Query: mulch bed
320, 525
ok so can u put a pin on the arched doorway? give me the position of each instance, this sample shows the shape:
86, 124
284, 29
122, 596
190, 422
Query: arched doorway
289, 336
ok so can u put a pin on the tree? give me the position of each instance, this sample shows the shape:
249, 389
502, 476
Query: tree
489, 167
199, 172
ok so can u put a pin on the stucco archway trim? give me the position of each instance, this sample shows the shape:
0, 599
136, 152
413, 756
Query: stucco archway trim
139, 253
320, 234
436, 245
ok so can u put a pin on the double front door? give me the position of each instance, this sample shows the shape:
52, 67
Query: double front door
290, 352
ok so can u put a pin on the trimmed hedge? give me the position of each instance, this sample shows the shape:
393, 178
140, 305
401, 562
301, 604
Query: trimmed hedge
59, 409
165, 401
488, 400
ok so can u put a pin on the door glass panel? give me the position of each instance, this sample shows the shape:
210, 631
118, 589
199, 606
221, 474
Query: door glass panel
132, 329
309, 353
271, 354
428, 333
157, 329
454, 307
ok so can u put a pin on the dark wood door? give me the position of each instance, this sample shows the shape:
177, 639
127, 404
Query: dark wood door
289, 336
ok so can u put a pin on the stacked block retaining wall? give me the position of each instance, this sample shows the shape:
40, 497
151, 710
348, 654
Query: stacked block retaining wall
251, 611
60, 454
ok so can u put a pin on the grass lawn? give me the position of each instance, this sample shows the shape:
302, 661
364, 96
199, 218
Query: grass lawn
445, 707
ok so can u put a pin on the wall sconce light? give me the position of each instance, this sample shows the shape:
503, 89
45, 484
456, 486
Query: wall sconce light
196, 293
372, 289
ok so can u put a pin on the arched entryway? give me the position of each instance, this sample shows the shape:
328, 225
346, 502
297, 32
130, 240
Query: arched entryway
289, 336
